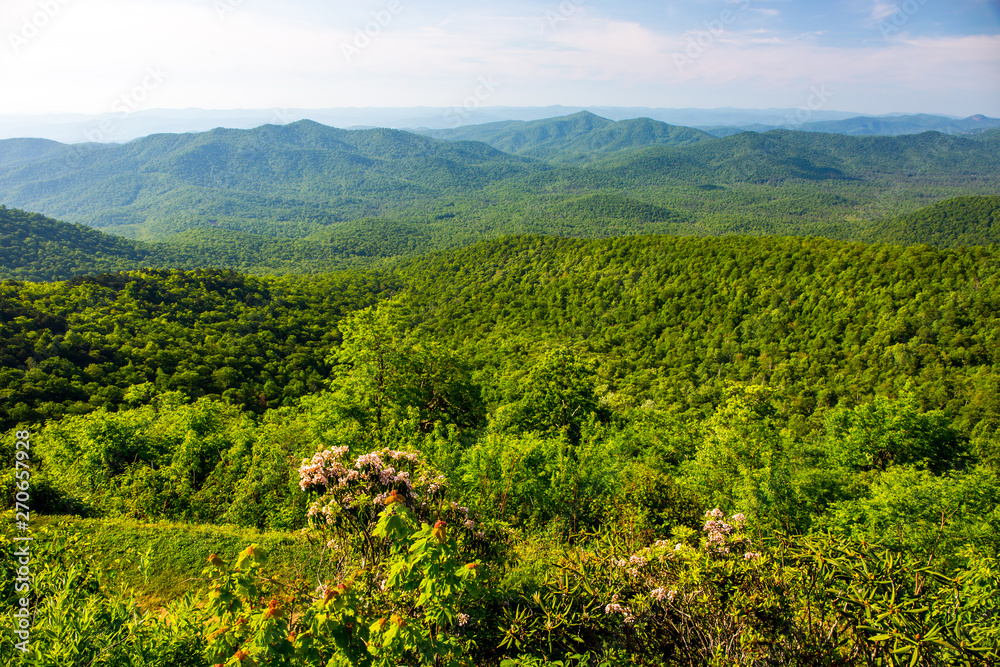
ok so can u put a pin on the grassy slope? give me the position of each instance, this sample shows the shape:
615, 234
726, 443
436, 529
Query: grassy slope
179, 551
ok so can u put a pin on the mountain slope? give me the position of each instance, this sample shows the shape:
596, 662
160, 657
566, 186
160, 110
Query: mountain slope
248, 180
782, 155
576, 138
36, 248
962, 221
33, 247
387, 192
889, 126
13, 151
899, 125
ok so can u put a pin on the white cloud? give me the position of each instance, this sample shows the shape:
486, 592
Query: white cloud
882, 10
94, 52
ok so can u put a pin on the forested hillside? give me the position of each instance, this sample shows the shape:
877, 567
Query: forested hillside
281, 180
34, 247
668, 320
623, 394
643, 438
905, 124
962, 221
581, 137
307, 181
38, 248
72, 347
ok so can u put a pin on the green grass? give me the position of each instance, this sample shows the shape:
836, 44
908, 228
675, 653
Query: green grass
178, 552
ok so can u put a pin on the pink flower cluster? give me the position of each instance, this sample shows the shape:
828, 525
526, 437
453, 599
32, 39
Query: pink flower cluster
632, 566
614, 608
360, 490
373, 476
720, 533
387, 475
660, 594
436, 484
327, 470
323, 468
717, 529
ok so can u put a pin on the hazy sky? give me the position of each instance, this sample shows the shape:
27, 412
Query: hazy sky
871, 56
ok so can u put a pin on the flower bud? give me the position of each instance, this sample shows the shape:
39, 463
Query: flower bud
273, 610
439, 531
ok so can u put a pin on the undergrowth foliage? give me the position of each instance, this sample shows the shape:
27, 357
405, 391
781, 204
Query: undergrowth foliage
727, 599
399, 587
405, 592
542, 516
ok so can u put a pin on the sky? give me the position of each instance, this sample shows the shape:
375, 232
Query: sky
868, 56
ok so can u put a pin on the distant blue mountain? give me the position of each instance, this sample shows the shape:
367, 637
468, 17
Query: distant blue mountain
858, 126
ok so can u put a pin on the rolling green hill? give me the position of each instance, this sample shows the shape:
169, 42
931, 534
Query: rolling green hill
783, 155
669, 319
565, 412
382, 193
284, 181
561, 409
36, 248
13, 151
962, 221
909, 124
580, 137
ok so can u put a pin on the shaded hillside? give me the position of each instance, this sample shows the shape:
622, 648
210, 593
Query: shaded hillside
783, 155
37, 248
580, 137
962, 221
34, 247
399, 193
282, 180
13, 151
